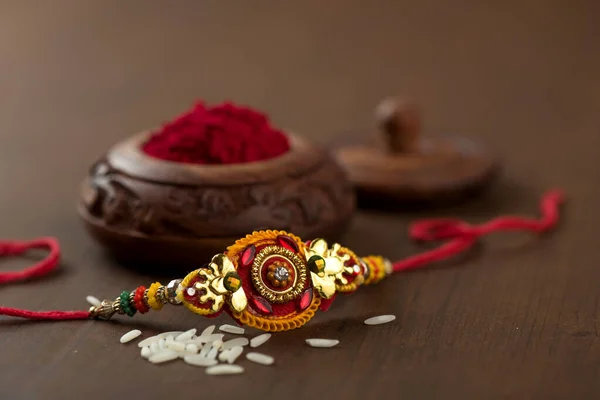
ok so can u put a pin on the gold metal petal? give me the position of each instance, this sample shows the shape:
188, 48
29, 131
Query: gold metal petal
238, 300
319, 247
223, 264
324, 285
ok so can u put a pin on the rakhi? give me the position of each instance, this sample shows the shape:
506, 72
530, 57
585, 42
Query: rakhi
272, 280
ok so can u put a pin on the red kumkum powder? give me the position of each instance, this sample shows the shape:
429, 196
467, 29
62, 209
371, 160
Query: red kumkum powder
221, 134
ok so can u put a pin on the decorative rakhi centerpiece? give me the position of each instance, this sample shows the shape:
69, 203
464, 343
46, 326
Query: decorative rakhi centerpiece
269, 280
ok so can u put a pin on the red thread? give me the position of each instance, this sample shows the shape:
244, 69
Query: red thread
41, 268
463, 236
222, 134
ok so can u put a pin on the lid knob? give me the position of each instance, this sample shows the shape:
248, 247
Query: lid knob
400, 123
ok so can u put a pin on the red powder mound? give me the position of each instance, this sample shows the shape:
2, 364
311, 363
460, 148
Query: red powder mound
221, 134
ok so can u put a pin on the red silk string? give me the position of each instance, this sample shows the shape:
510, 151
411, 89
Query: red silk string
39, 269
461, 235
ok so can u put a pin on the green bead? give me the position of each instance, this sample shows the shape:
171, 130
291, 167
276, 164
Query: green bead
125, 304
316, 264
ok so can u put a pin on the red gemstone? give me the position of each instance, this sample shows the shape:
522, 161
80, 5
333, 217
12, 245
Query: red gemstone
326, 303
288, 243
305, 299
248, 255
261, 305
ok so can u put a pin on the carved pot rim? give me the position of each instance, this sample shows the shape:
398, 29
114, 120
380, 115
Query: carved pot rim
127, 157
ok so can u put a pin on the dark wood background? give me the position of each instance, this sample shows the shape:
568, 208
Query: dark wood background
516, 319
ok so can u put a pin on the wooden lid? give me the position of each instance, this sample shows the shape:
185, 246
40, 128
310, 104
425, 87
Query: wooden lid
408, 166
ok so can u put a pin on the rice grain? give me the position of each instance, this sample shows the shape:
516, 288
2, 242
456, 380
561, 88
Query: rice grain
223, 355
234, 353
241, 341
205, 350
199, 361
236, 330
209, 338
260, 339
224, 369
163, 356
154, 347
322, 342
176, 346
380, 319
208, 330
260, 358
187, 335
212, 354
93, 301
145, 352
192, 348
129, 336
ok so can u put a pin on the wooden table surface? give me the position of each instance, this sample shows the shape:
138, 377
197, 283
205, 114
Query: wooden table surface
518, 318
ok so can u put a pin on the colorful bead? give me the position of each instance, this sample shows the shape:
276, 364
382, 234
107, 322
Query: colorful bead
125, 304
138, 300
378, 267
172, 292
153, 302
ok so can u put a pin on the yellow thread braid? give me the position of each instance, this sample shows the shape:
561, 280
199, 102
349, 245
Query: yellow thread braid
285, 323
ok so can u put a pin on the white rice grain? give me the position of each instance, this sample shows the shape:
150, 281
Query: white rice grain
260, 358
380, 319
212, 354
236, 330
260, 339
322, 342
199, 361
223, 355
176, 346
241, 341
147, 342
163, 356
172, 333
156, 338
162, 343
209, 338
129, 336
208, 330
233, 354
146, 352
224, 369
187, 335
93, 301
154, 347
192, 348
205, 350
